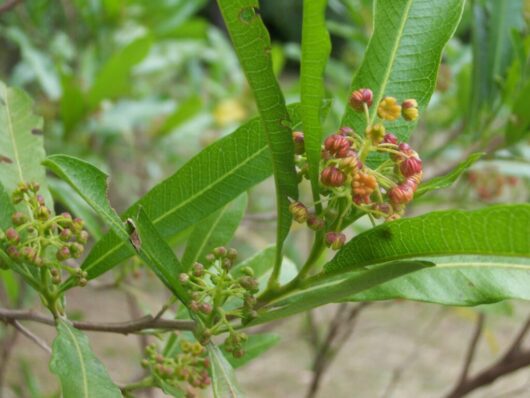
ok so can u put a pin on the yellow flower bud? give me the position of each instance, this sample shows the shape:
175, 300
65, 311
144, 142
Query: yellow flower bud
389, 109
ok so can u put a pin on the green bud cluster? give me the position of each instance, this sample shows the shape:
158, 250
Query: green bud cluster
39, 239
210, 286
186, 370
348, 184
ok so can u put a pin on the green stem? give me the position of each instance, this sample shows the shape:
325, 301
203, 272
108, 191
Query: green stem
144, 383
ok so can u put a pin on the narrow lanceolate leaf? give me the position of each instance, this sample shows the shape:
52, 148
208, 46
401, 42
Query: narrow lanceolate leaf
253, 47
216, 230
448, 179
82, 375
214, 177
459, 280
255, 346
327, 290
154, 250
6, 209
495, 231
21, 144
403, 55
316, 47
224, 383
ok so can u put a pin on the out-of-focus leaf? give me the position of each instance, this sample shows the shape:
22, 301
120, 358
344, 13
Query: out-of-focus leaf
82, 375
403, 55
325, 290
448, 179
245, 26
11, 286
6, 209
114, 78
73, 104
216, 230
519, 124
260, 263
40, 63
494, 231
64, 194
255, 346
21, 144
316, 47
185, 111
224, 383
214, 177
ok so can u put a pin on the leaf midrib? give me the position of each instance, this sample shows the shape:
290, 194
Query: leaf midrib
81, 361
12, 133
184, 203
233, 393
393, 54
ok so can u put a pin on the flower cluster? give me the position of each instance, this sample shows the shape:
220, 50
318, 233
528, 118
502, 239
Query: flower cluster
347, 180
185, 370
42, 240
211, 287
489, 184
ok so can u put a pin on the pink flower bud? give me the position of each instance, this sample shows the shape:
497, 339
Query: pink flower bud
12, 235
390, 138
298, 139
315, 223
336, 143
401, 194
335, 240
411, 166
19, 218
360, 97
346, 131
332, 177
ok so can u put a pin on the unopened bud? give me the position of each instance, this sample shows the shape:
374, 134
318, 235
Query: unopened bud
389, 109
205, 308
410, 166
360, 97
314, 222
65, 235
12, 235
409, 110
76, 250
299, 211
19, 218
390, 138
184, 278
332, 177
401, 194
335, 240
375, 133
198, 270
337, 144
298, 139
232, 254
82, 237
219, 251
346, 131
63, 253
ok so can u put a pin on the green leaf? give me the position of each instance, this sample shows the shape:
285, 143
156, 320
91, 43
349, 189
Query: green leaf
519, 122
496, 231
73, 107
82, 375
21, 144
214, 177
403, 55
448, 179
154, 250
316, 47
6, 209
224, 383
253, 47
114, 78
216, 230
91, 184
11, 285
459, 280
185, 111
260, 263
328, 289
255, 346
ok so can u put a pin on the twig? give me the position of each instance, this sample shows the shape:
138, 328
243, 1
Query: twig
30, 335
514, 359
8, 5
127, 327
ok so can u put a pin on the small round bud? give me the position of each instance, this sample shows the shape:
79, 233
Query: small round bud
390, 138
346, 131
78, 224
76, 250
17, 197
389, 109
63, 253
332, 177
184, 278
210, 258
315, 223
360, 97
226, 264
248, 283
232, 254
335, 240
363, 184
34, 186
19, 218
411, 166
12, 235
194, 306
337, 144
299, 212
198, 269
219, 252
13, 252
82, 237
65, 235
401, 194
144, 363
83, 282
239, 353
43, 213
247, 271
29, 253
298, 139
40, 200
409, 110
375, 133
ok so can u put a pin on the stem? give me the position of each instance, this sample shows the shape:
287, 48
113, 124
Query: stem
144, 383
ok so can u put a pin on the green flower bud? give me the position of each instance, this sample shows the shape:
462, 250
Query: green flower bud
19, 218
63, 253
